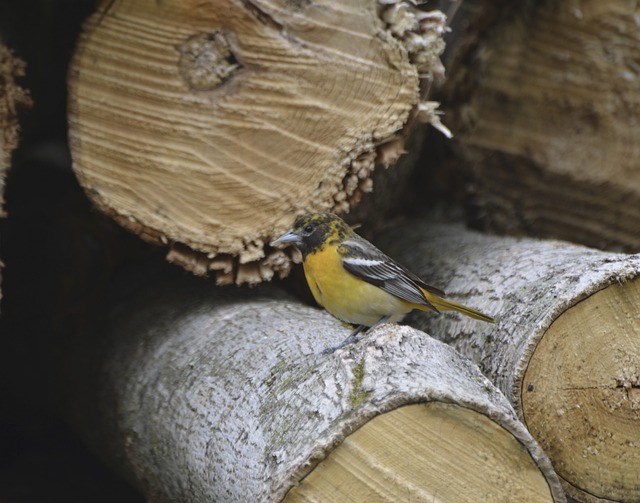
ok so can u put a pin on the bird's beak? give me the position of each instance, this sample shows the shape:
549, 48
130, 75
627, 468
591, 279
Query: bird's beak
287, 237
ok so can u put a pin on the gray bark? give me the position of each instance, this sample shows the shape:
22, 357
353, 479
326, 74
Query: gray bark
527, 285
524, 283
205, 394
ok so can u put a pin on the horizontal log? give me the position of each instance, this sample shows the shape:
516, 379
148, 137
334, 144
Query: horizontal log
565, 349
204, 394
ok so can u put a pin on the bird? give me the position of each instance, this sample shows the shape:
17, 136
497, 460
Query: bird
355, 281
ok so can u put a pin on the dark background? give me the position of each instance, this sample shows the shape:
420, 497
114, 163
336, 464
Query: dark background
52, 248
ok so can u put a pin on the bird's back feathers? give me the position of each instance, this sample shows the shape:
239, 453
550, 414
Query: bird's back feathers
368, 263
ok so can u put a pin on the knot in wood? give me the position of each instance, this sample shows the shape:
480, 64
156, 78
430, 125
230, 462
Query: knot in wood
206, 61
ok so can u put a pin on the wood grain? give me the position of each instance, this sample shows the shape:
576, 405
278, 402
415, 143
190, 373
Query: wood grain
543, 99
567, 324
423, 453
207, 127
584, 378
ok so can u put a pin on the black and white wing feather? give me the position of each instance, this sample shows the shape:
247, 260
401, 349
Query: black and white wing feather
371, 265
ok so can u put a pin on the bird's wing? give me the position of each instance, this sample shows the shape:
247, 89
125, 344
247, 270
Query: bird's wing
365, 261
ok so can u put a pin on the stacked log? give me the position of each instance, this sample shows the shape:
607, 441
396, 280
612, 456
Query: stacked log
565, 348
543, 99
199, 394
187, 116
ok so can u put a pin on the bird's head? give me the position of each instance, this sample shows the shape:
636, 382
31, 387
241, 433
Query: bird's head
313, 231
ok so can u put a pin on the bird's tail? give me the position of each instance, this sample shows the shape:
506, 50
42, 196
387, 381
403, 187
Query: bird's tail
448, 305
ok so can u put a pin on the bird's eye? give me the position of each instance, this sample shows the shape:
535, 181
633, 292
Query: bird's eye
308, 229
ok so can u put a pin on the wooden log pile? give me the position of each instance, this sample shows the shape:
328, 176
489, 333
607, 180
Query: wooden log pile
205, 128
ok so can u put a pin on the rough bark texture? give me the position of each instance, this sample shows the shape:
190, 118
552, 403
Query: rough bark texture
12, 98
543, 98
186, 116
565, 348
203, 395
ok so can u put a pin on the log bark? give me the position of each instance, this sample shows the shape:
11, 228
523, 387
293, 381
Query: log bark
201, 394
565, 349
187, 116
13, 97
543, 99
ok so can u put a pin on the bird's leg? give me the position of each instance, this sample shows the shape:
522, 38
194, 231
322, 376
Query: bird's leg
353, 337
382, 320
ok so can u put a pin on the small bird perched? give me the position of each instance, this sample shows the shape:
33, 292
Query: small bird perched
355, 281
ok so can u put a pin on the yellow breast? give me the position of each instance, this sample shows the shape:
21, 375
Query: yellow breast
346, 296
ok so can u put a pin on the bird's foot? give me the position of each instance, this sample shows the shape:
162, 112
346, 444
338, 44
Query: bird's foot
353, 337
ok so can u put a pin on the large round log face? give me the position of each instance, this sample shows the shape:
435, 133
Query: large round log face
434, 452
212, 124
584, 378
544, 102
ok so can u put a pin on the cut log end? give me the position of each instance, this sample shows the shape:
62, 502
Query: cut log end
426, 452
547, 142
593, 397
208, 130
